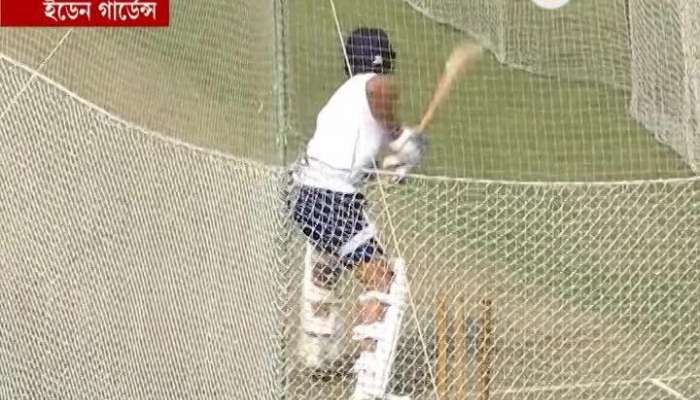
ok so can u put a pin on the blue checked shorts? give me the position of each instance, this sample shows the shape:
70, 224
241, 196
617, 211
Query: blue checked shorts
334, 222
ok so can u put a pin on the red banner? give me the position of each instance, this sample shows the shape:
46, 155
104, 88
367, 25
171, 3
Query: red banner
65, 13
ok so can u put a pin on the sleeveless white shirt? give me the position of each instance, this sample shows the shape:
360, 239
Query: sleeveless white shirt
346, 142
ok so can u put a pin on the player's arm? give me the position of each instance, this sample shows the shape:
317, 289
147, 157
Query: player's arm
383, 97
405, 146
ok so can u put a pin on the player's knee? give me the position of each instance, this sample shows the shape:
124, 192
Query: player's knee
326, 275
375, 274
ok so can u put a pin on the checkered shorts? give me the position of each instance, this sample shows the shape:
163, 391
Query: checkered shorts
334, 223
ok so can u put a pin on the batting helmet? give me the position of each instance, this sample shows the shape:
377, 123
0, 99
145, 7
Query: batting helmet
369, 50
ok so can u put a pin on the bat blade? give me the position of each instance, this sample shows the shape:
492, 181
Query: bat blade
462, 60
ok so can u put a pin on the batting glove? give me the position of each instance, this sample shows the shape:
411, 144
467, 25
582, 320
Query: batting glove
407, 154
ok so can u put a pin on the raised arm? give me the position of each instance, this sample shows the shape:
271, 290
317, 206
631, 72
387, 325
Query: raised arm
404, 145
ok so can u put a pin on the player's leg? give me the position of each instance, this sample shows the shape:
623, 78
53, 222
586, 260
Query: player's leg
335, 223
383, 300
382, 308
319, 343
383, 304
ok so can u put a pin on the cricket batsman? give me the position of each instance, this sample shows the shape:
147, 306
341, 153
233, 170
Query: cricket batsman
357, 124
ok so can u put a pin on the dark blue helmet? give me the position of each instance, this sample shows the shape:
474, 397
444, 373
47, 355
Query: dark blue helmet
369, 50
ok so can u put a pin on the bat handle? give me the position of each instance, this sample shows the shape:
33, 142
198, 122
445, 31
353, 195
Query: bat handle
432, 107
425, 121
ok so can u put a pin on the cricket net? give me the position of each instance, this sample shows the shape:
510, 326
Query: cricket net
591, 291
147, 251
648, 48
132, 266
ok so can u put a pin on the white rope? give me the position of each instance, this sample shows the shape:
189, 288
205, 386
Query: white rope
340, 36
35, 74
392, 228
668, 389
119, 121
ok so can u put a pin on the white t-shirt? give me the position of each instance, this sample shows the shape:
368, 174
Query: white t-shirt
347, 140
